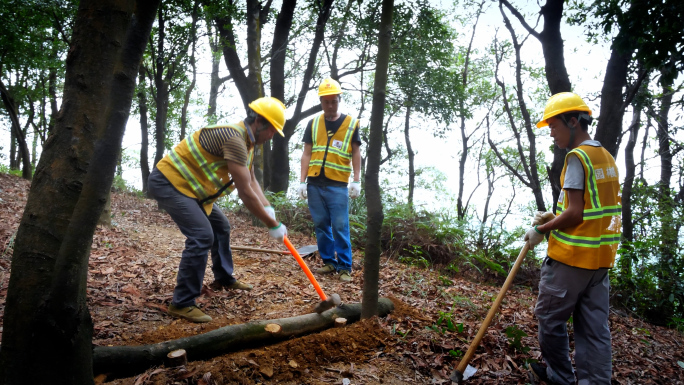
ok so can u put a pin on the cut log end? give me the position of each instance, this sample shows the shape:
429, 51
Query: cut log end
339, 322
177, 358
273, 328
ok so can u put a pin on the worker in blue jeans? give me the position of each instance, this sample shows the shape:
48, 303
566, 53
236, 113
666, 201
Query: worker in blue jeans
331, 153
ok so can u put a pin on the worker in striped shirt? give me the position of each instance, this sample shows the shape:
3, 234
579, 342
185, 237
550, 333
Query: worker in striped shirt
210, 163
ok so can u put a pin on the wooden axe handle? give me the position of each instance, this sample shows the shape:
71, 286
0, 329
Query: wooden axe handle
492, 310
246, 248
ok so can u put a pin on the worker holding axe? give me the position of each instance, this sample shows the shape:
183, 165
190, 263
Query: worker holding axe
583, 239
210, 163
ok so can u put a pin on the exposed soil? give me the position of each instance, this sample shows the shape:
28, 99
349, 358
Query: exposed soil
132, 275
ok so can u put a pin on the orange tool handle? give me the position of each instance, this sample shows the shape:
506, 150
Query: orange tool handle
304, 267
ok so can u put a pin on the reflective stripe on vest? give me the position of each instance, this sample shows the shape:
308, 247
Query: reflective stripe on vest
593, 243
196, 172
336, 160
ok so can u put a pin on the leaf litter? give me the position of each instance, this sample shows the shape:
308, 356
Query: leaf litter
132, 271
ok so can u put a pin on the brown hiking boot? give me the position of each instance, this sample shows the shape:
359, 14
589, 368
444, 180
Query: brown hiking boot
237, 285
190, 313
345, 276
326, 269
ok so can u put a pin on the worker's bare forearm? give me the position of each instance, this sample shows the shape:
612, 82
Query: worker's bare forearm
253, 203
356, 161
306, 158
572, 216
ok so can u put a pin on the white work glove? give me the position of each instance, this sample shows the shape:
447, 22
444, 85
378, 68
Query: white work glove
302, 190
278, 233
270, 210
354, 189
533, 237
542, 217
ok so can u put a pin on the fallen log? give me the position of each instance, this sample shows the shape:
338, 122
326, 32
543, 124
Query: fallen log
121, 361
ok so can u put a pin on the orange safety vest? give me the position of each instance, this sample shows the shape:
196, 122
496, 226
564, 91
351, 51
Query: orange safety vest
593, 243
336, 158
197, 173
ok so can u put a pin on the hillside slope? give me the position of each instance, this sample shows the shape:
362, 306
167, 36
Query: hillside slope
132, 275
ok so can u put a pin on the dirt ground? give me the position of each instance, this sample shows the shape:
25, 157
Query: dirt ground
436, 315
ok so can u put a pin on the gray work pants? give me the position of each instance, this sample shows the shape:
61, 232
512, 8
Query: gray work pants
564, 291
203, 234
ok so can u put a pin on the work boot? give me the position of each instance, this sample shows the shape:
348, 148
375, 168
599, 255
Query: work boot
190, 313
237, 285
326, 269
345, 276
539, 373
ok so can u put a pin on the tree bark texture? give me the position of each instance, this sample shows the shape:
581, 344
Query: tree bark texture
127, 360
371, 265
47, 327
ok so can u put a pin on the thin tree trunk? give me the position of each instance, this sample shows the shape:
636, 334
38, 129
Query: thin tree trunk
371, 265
630, 167
144, 132
411, 157
668, 243
191, 87
11, 108
47, 336
280, 152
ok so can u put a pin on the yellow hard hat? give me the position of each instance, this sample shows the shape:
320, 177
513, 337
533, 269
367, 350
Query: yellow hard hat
329, 87
561, 103
272, 109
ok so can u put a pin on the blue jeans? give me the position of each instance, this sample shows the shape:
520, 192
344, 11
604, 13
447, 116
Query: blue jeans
329, 207
204, 234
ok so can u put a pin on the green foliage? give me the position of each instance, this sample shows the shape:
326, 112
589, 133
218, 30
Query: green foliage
445, 324
650, 27
515, 336
647, 278
293, 212
4, 169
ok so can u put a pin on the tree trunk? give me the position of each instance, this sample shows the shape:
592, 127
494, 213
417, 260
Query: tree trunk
411, 157
47, 336
144, 132
24, 155
191, 87
630, 167
371, 264
216, 81
162, 93
557, 79
280, 154
121, 361
668, 242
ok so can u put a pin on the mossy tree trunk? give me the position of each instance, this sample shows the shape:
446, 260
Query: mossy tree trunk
47, 336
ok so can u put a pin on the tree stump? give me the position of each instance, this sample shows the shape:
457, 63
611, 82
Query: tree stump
273, 328
177, 358
339, 322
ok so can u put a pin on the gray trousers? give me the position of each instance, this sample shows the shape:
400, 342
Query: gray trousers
564, 291
203, 234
